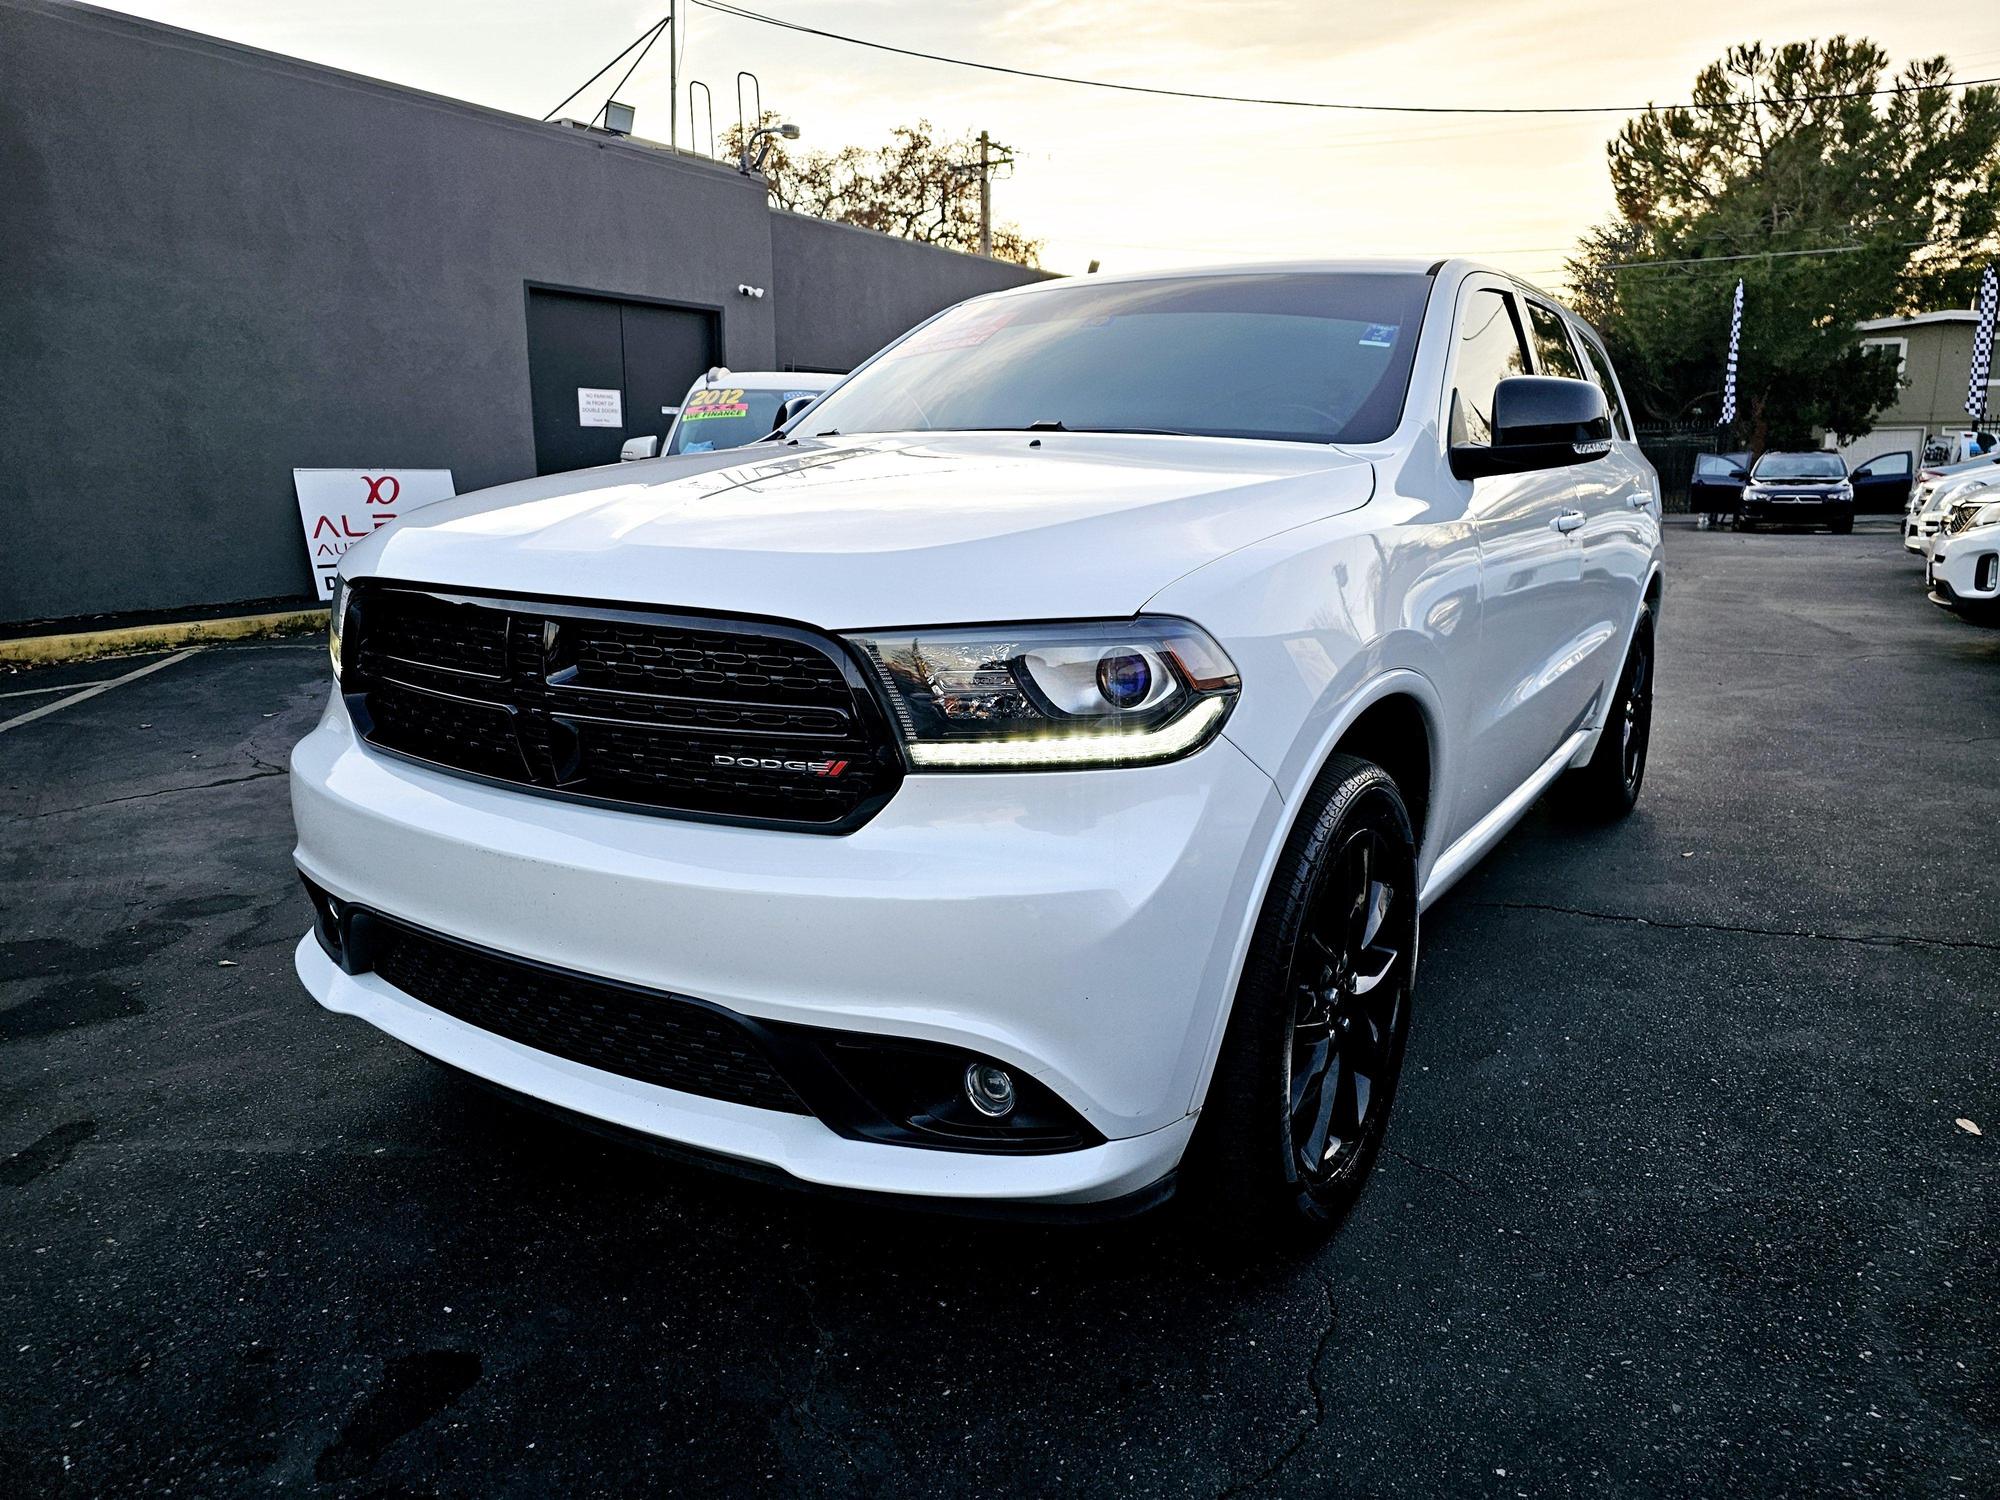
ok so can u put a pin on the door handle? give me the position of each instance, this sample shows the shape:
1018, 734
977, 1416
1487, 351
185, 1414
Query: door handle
1567, 520
1640, 499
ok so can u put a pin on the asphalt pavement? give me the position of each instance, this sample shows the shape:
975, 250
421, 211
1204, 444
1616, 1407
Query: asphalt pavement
1676, 1199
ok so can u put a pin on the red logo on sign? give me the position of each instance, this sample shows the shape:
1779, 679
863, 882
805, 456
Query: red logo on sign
376, 494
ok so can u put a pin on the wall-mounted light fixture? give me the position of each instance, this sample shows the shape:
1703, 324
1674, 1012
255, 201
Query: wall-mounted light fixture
757, 145
618, 118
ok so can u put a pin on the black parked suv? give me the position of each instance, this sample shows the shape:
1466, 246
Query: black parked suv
1798, 489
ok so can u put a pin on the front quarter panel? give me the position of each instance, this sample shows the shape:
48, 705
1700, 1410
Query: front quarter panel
1326, 619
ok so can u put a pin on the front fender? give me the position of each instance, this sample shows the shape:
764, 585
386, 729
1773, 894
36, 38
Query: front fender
1326, 620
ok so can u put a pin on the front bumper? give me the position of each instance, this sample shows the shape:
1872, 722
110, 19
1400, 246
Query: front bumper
1965, 569
1809, 512
1085, 927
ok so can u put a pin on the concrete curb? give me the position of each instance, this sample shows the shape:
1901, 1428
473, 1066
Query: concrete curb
83, 644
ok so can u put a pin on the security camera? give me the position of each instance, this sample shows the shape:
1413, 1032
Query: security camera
745, 289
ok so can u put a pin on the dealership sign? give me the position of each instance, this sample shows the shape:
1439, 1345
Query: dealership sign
338, 507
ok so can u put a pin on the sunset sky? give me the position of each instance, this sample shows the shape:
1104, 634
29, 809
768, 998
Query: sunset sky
1136, 181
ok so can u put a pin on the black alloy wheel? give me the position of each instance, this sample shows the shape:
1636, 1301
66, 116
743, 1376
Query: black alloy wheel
1635, 713
1297, 1109
1608, 787
1350, 1013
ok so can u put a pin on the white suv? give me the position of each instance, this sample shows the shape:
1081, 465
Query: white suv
1962, 561
1018, 781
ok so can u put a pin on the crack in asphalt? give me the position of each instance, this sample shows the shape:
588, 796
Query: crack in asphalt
1298, 1442
806, 1404
1872, 939
264, 773
1424, 1166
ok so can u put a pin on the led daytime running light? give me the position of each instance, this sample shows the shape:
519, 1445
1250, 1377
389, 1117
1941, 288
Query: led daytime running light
1164, 743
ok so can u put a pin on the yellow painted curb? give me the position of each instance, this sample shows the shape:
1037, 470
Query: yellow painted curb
88, 643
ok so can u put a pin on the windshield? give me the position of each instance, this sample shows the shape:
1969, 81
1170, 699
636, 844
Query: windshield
1800, 466
1296, 357
723, 416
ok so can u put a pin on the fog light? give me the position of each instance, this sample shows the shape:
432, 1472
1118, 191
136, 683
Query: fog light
989, 1088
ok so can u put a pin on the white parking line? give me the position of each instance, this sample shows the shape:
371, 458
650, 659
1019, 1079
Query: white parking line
93, 690
67, 687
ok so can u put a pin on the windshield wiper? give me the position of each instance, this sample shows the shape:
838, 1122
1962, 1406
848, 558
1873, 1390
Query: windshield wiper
1052, 425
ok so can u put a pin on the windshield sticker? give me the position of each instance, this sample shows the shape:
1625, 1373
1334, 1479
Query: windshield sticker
1379, 335
953, 333
715, 403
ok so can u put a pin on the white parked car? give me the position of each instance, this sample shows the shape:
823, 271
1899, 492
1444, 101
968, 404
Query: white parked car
1963, 569
1019, 783
729, 408
1935, 489
1952, 504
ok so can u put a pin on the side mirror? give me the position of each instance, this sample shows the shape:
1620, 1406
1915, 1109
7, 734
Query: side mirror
638, 448
789, 411
1539, 422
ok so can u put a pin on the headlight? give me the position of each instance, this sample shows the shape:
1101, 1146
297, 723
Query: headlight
1041, 697
336, 618
1843, 492
1753, 492
1987, 515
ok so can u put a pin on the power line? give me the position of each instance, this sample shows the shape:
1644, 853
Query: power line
722, 8
1716, 260
641, 37
606, 105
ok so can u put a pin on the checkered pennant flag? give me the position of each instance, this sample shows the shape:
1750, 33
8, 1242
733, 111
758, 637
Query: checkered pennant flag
1729, 374
1982, 345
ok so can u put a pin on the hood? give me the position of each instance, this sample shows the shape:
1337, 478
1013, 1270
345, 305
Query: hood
853, 533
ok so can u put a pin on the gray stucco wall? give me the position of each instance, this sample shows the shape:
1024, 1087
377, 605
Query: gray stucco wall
218, 264
835, 287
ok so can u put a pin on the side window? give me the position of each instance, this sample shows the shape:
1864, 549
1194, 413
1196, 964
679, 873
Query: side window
1490, 349
1600, 371
1552, 346
1887, 466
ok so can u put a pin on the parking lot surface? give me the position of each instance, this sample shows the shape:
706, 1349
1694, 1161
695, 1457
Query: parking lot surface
1676, 1198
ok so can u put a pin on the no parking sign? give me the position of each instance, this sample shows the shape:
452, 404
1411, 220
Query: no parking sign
338, 507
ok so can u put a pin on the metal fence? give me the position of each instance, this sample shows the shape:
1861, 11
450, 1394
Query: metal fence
1673, 448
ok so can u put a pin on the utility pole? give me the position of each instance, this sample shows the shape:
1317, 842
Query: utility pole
985, 195
674, 85
991, 155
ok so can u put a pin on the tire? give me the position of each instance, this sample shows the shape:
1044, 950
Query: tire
1607, 788
1841, 525
1299, 1104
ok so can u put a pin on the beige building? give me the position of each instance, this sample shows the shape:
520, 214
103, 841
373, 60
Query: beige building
1935, 354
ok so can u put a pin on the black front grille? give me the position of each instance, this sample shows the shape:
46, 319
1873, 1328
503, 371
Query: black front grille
655, 1038
715, 718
